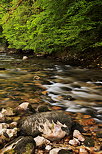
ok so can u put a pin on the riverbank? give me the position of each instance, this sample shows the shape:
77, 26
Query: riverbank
88, 59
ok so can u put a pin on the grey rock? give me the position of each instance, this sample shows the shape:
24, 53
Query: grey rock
42, 123
60, 150
24, 107
78, 135
42, 108
20, 145
40, 141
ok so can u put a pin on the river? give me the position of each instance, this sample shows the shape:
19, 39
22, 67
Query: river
45, 81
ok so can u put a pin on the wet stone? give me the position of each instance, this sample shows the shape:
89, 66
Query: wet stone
64, 151
40, 141
20, 145
99, 134
66, 88
42, 108
89, 142
24, 107
2, 68
7, 112
74, 142
68, 97
76, 86
78, 135
49, 124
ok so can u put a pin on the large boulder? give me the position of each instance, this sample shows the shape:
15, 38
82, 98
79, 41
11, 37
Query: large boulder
52, 125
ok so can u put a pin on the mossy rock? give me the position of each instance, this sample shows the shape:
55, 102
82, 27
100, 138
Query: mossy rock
30, 126
21, 145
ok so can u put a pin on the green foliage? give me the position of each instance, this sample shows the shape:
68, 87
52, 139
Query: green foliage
49, 26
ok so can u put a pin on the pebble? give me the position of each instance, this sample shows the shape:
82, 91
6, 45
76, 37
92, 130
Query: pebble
78, 135
48, 147
23, 106
74, 142
25, 57
3, 126
11, 132
55, 151
7, 134
7, 112
40, 141
83, 151
13, 124
2, 118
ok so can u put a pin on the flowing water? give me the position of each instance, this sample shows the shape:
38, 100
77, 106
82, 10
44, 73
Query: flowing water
40, 81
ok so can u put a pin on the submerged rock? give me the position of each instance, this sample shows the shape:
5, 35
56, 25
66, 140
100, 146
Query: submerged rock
2, 117
20, 145
42, 108
59, 150
52, 125
7, 112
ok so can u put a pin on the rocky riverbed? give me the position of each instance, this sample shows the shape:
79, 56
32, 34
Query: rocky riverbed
25, 130
47, 107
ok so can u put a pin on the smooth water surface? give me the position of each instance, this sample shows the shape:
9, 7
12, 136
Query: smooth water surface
38, 80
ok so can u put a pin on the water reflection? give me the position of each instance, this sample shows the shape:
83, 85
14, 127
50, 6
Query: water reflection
75, 89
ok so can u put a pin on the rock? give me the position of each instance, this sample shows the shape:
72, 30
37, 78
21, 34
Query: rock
7, 112
74, 142
52, 125
55, 151
24, 107
20, 145
25, 57
40, 141
99, 134
6, 134
53, 131
89, 142
2, 117
42, 108
65, 151
11, 132
48, 147
78, 135
13, 124
3, 126
59, 150
83, 151
2, 49
2, 68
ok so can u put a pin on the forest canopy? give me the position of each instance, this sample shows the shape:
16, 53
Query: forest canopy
47, 26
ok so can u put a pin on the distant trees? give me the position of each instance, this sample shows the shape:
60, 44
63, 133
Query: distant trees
48, 26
